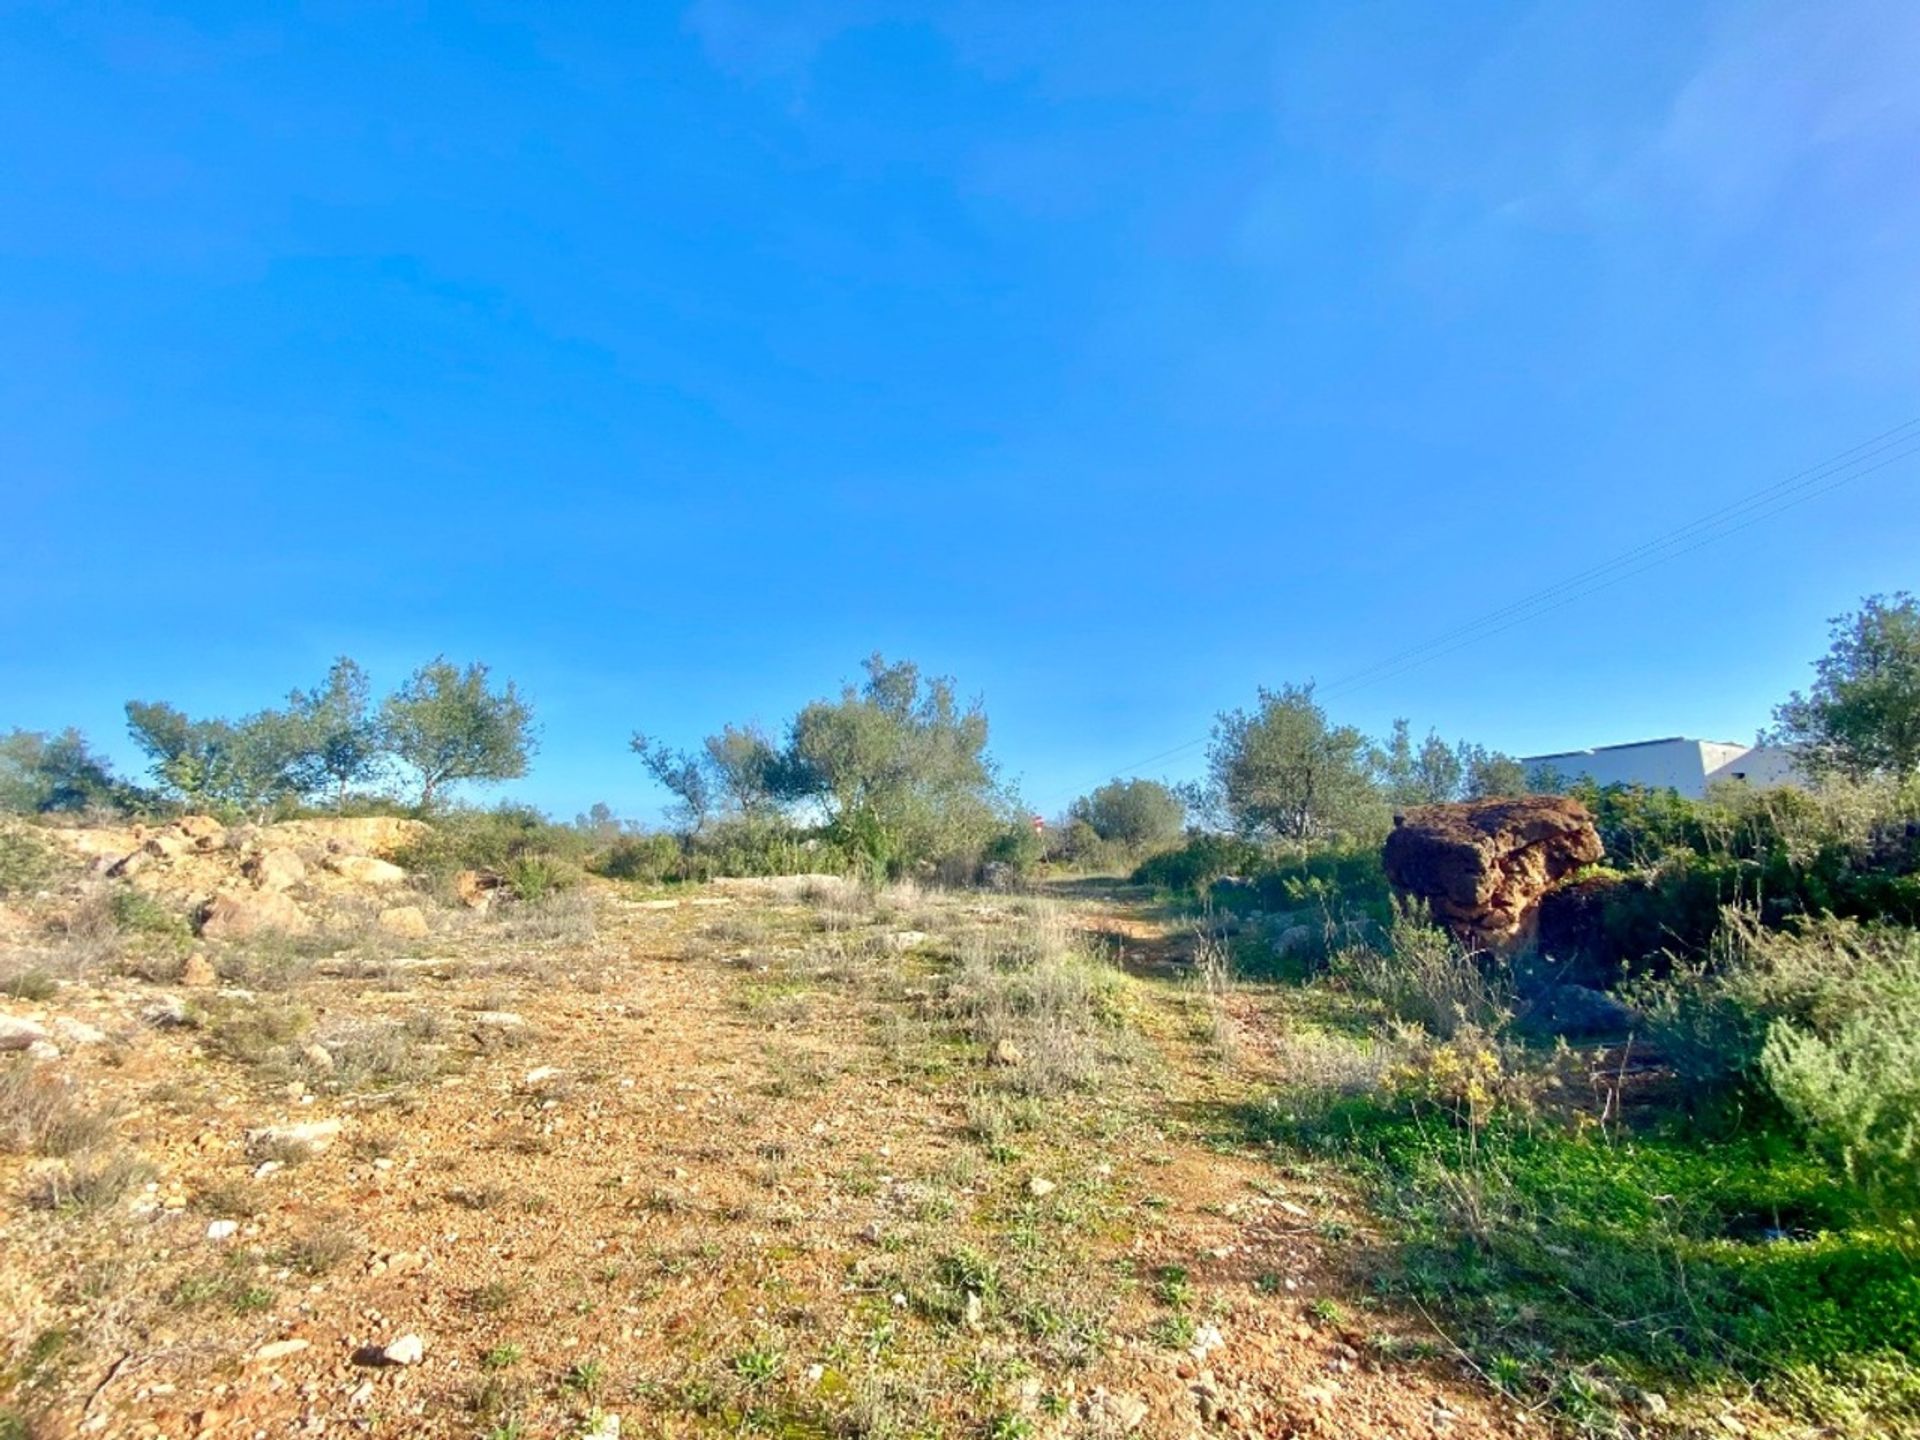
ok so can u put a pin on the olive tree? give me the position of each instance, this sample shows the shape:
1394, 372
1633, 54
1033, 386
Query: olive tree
899, 765
1135, 813
246, 764
1281, 770
340, 741
44, 774
1862, 716
448, 726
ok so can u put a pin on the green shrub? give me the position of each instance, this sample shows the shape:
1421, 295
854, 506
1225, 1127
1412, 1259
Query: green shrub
1199, 863
649, 859
1425, 977
26, 862
515, 841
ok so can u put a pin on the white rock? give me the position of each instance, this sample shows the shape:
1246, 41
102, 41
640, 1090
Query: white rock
311, 1136
604, 1426
407, 1350
498, 1019
78, 1032
223, 1229
279, 1350
541, 1074
1039, 1187
43, 1050
20, 1034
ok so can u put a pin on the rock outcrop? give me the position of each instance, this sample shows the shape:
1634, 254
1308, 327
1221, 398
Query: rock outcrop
238, 914
1483, 866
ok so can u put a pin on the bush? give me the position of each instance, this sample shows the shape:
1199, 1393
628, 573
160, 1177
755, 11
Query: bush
1199, 863
1426, 978
26, 863
649, 859
514, 841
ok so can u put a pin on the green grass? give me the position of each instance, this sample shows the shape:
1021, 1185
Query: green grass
1663, 1258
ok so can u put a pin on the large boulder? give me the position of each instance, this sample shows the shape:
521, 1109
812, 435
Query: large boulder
1484, 866
366, 870
238, 914
275, 869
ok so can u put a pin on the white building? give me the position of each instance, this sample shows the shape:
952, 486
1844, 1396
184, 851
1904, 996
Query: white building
1676, 763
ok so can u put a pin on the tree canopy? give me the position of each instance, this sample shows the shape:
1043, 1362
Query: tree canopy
1135, 813
1862, 715
1283, 771
447, 725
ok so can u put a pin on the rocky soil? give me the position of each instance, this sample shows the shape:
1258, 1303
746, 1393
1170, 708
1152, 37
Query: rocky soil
781, 1158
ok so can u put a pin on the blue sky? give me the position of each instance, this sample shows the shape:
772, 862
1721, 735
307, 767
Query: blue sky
1114, 359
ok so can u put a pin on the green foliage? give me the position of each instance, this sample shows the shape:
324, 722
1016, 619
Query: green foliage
48, 774
26, 862
1423, 976
1655, 1253
1197, 865
517, 842
896, 766
1284, 772
449, 726
243, 766
1862, 716
1133, 813
340, 741
648, 859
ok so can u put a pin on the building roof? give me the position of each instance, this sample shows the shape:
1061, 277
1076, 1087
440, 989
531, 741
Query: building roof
1627, 745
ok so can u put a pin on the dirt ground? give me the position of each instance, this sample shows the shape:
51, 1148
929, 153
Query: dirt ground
749, 1160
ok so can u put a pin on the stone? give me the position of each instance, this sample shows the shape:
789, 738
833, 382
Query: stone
1483, 866
78, 1032
407, 1350
408, 922
203, 832
1005, 1052
198, 973
20, 1034
127, 866
309, 1137
222, 1229
1040, 1187
239, 914
476, 888
1577, 1011
279, 1350
366, 870
902, 940
498, 1019
167, 846
603, 1425
276, 869
43, 1050
318, 1059
1116, 1412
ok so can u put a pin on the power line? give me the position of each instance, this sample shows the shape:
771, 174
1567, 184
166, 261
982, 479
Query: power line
1842, 468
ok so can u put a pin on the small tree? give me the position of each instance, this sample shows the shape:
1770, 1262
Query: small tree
1135, 813
245, 764
1283, 771
340, 740
1862, 716
448, 726
42, 774
681, 774
900, 766
1489, 774
1429, 775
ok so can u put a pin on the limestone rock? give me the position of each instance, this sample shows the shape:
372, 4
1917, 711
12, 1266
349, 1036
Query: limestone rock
366, 870
1484, 865
276, 869
408, 922
238, 914
476, 888
407, 1350
203, 832
20, 1034
198, 972
307, 1138
279, 1350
